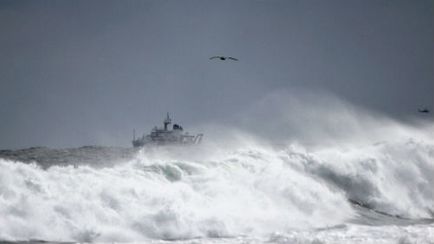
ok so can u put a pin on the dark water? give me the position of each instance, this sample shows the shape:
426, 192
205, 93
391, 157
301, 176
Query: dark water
95, 156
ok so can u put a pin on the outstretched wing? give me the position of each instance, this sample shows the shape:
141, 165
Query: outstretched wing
214, 57
231, 58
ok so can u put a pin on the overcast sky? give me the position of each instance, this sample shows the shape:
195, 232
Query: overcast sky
87, 72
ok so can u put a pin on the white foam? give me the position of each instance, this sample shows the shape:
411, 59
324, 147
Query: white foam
238, 187
245, 192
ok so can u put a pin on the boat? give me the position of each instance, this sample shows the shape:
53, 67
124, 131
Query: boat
167, 136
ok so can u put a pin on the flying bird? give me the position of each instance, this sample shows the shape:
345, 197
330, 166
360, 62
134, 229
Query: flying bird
425, 110
223, 58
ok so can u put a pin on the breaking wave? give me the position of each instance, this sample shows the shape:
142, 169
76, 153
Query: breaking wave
246, 188
255, 190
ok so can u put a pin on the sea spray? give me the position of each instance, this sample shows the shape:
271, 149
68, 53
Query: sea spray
298, 174
246, 192
254, 190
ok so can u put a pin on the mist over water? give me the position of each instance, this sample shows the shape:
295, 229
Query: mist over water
285, 170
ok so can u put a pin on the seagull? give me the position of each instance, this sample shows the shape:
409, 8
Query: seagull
425, 110
223, 58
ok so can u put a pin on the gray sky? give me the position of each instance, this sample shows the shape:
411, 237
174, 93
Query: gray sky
87, 72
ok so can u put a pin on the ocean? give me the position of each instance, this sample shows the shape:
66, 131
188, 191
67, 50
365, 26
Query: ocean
248, 191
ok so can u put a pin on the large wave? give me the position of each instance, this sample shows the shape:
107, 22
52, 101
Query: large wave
243, 186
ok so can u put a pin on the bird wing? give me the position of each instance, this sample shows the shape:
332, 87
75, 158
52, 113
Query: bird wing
231, 58
214, 57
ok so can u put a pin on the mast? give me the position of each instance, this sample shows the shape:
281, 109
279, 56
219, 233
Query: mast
167, 121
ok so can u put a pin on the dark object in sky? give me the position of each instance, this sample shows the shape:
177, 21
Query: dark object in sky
223, 58
425, 110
